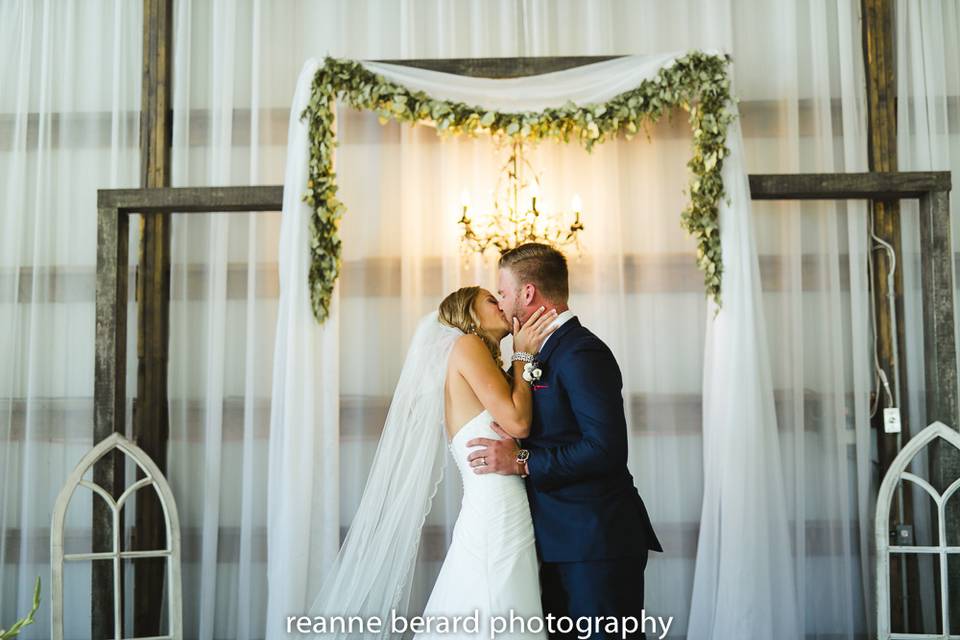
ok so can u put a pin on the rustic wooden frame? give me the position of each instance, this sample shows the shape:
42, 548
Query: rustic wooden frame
158, 203
151, 424
887, 283
930, 188
114, 207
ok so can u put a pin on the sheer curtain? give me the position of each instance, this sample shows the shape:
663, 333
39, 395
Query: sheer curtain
802, 111
69, 114
928, 139
799, 77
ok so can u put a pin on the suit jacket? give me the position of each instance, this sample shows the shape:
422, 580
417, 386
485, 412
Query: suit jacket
582, 498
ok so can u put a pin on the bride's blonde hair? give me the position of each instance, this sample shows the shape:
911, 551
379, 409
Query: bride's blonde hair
457, 311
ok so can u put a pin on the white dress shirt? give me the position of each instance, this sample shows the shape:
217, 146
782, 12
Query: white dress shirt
558, 322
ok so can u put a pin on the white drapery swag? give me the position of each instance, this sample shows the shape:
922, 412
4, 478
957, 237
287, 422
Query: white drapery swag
744, 553
304, 413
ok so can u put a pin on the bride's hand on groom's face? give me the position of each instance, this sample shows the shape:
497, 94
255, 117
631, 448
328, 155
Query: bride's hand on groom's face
494, 456
534, 331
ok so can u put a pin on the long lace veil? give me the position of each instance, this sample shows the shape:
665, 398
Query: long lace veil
374, 570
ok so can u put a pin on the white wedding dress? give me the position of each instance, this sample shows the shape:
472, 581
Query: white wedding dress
491, 566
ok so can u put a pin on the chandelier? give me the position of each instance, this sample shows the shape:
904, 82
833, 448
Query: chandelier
516, 217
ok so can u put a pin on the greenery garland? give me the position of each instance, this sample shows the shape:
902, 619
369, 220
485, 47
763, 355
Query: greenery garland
697, 83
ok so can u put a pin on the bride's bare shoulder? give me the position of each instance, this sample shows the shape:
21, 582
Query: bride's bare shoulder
468, 347
467, 350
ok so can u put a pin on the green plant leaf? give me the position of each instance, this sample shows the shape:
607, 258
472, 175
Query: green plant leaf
13, 631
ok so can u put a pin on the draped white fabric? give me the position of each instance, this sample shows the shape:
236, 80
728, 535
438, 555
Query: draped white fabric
69, 96
302, 537
744, 538
593, 83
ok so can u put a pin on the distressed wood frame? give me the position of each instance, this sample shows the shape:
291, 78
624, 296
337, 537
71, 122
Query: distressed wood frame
115, 207
150, 420
931, 188
877, 24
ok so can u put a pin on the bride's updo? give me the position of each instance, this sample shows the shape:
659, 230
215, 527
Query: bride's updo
457, 311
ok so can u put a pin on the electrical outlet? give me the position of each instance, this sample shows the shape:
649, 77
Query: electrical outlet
903, 535
891, 420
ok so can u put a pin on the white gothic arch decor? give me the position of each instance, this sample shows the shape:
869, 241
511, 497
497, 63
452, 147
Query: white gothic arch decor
153, 477
893, 478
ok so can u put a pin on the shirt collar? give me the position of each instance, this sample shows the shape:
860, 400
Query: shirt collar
558, 322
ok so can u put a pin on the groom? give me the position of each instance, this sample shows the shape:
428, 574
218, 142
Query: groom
591, 527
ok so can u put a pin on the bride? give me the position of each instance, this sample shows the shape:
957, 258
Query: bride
450, 389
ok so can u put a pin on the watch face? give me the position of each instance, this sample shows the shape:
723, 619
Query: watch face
522, 455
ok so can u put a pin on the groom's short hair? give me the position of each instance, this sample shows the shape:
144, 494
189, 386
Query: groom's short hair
542, 265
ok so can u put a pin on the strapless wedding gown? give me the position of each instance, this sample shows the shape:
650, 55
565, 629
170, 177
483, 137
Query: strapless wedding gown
491, 566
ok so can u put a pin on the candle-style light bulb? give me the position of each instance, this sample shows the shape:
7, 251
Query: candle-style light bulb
576, 204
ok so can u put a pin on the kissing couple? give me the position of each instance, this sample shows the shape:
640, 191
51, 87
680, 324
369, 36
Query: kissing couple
550, 524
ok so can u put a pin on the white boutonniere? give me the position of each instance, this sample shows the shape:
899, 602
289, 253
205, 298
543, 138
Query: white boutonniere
532, 372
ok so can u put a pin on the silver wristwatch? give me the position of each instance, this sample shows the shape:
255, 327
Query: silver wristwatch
522, 456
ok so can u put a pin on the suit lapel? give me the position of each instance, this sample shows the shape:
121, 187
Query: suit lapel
556, 337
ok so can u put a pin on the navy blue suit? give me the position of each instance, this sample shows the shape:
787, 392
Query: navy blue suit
592, 529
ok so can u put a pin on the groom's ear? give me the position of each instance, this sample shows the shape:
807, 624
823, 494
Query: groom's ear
529, 293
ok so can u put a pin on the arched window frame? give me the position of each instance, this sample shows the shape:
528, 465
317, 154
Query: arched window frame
153, 477
891, 481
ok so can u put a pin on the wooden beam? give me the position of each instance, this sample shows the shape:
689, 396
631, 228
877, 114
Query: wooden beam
940, 356
940, 359
193, 199
800, 186
888, 293
109, 399
500, 67
150, 420
848, 186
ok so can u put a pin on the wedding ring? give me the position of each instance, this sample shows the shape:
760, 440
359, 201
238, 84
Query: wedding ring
483, 461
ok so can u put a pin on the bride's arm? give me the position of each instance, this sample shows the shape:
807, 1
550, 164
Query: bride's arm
510, 402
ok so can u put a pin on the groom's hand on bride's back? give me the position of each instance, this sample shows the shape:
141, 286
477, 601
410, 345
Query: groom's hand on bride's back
494, 456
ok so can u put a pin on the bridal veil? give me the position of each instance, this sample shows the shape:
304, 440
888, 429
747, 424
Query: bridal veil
373, 571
